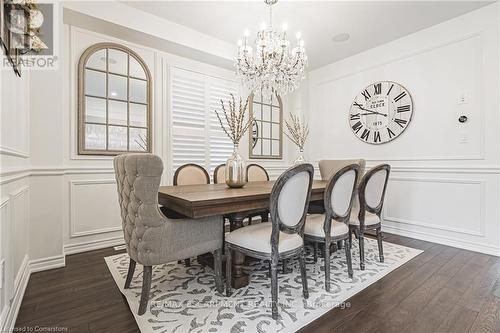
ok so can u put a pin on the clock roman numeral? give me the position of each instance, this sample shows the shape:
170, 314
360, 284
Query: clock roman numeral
366, 134
355, 116
398, 97
366, 95
376, 137
358, 105
391, 133
404, 108
389, 91
356, 127
400, 122
378, 88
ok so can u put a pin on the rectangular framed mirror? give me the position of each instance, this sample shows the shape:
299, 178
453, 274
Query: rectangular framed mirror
266, 132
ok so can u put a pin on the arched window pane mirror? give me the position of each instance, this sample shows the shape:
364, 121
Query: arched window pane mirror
114, 101
266, 131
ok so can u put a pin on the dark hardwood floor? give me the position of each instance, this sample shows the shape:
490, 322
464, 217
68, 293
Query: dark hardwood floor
442, 290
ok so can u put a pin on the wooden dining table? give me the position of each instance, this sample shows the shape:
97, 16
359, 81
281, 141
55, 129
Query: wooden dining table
236, 204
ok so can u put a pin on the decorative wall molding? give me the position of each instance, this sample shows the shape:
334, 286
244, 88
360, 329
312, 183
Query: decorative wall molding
319, 81
72, 208
13, 152
444, 240
93, 245
481, 208
22, 280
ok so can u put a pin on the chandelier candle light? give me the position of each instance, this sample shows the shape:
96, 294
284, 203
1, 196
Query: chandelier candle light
233, 124
275, 65
298, 133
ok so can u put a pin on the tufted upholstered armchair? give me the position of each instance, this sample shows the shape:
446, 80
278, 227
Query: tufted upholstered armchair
151, 238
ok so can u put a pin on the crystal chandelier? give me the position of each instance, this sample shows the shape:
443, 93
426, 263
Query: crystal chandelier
273, 65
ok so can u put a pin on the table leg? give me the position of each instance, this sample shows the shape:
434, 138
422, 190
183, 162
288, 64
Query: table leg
239, 278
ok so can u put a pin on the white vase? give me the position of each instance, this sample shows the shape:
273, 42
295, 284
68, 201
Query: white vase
236, 173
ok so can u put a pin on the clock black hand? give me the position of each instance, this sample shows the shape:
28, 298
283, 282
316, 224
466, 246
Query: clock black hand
373, 112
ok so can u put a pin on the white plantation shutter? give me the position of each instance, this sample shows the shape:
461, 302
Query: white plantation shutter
221, 146
196, 133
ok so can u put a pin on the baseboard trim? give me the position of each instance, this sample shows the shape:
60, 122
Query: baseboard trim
443, 240
44, 264
93, 245
20, 284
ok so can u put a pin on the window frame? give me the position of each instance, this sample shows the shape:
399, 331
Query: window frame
251, 155
82, 66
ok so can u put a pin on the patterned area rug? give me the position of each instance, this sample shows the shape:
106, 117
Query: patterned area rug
184, 299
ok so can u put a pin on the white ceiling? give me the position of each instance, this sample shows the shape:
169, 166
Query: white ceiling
370, 23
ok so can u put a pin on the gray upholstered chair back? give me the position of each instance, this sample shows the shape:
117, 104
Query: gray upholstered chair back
138, 179
328, 168
342, 190
290, 198
372, 188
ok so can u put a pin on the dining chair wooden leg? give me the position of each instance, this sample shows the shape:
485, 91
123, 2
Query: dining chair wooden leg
315, 250
348, 258
274, 288
228, 271
380, 247
350, 238
284, 263
264, 218
130, 274
302, 264
187, 262
361, 240
218, 270
327, 264
146, 286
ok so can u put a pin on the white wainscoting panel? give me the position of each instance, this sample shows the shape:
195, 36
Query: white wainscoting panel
93, 207
455, 205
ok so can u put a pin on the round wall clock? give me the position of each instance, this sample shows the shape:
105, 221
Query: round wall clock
381, 112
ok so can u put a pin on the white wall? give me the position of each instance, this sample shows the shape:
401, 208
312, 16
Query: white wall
441, 188
14, 191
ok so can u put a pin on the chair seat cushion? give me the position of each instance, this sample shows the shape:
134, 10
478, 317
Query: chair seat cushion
257, 237
314, 226
370, 218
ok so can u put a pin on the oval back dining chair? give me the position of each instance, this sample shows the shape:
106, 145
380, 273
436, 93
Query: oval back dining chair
371, 193
257, 173
151, 238
283, 237
333, 226
220, 174
188, 174
191, 174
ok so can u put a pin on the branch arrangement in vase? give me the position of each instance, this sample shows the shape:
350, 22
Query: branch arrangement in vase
235, 125
298, 131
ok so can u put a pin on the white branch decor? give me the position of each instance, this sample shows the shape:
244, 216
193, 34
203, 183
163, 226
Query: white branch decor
298, 131
235, 125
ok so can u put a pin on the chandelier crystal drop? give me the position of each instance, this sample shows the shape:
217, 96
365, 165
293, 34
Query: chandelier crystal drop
273, 64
